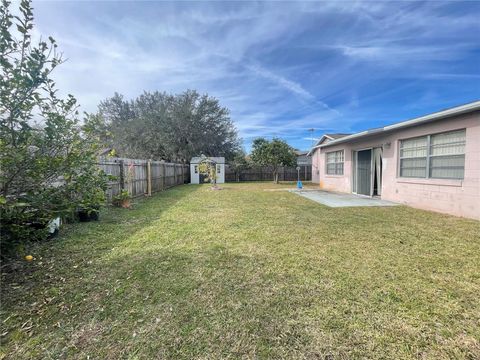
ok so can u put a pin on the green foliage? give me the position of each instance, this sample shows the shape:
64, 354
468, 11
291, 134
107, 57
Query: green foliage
122, 199
123, 195
274, 154
208, 168
48, 163
239, 163
170, 127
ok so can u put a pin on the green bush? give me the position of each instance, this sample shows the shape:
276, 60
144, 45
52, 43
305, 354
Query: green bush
47, 158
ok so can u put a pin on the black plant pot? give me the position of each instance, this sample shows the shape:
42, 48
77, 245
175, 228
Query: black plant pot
88, 215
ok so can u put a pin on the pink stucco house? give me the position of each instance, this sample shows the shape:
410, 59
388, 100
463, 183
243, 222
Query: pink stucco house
431, 162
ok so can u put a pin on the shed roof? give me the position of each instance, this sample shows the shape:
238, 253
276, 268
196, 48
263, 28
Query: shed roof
216, 159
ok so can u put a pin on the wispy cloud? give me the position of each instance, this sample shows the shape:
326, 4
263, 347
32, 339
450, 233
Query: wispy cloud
281, 68
289, 85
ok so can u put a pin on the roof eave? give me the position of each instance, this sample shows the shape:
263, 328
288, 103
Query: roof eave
317, 145
459, 110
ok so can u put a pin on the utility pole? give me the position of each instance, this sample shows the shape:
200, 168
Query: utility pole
312, 130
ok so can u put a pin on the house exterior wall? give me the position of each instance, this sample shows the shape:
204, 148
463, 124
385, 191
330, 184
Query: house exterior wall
456, 197
315, 167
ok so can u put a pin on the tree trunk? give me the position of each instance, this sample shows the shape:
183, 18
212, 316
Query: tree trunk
275, 177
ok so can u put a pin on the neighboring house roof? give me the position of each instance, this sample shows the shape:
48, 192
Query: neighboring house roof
324, 138
439, 115
336, 136
300, 152
217, 160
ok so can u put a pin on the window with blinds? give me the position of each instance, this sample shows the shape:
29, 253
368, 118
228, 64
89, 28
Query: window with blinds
439, 156
335, 161
447, 155
413, 157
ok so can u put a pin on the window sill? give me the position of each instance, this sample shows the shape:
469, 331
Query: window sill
438, 182
334, 176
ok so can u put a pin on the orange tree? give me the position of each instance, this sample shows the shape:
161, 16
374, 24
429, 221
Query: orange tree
272, 154
47, 158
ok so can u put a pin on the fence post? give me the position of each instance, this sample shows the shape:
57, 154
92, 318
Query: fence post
163, 177
122, 175
175, 174
149, 178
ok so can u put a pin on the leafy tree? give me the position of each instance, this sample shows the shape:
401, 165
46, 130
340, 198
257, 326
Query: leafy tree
133, 128
170, 127
239, 163
48, 164
274, 154
200, 125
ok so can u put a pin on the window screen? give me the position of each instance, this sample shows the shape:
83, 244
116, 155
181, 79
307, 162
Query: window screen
335, 162
439, 156
413, 157
447, 155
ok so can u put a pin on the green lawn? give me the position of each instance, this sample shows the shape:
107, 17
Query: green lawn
248, 273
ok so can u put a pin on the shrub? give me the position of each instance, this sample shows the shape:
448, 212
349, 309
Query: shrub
47, 159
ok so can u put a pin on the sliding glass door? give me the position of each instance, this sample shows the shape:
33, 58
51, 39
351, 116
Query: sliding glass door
364, 172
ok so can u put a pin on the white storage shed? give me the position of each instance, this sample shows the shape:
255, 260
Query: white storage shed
197, 178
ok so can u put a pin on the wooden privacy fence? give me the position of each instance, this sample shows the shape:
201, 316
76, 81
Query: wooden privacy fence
265, 174
142, 177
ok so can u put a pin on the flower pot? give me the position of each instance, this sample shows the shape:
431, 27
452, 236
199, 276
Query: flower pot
125, 203
88, 215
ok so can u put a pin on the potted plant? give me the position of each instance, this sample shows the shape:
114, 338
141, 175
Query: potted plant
122, 199
89, 209
89, 214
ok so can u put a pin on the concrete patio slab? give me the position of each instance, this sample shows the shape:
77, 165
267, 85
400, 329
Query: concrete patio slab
333, 199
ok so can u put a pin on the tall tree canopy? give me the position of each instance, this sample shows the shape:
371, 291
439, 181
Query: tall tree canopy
172, 127
273, 154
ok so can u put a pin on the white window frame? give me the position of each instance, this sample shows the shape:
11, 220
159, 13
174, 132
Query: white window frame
428, 156
336, 162
400, 157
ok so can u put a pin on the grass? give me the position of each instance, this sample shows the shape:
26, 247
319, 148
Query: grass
248, 273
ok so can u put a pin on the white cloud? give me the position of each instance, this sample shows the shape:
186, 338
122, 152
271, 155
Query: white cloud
291, 86
281, 67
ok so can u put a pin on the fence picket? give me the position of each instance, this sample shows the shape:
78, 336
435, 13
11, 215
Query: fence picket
265, 174
140, 177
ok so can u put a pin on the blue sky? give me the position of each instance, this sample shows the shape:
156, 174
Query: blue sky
280, 67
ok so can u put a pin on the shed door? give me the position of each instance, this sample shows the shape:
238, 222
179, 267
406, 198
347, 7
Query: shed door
364, 172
